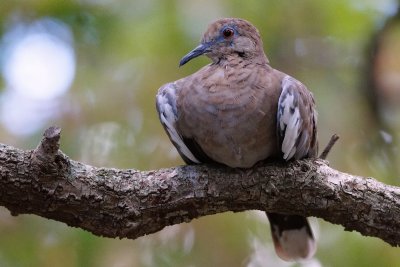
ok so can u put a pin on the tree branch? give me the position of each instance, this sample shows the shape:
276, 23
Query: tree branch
131, 203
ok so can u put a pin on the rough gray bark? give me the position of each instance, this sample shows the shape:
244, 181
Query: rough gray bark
131, 203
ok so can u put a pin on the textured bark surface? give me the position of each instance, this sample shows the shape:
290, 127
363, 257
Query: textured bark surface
132, 203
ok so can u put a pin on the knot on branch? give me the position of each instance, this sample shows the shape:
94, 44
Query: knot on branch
45, 153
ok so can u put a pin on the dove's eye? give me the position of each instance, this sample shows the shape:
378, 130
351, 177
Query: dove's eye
228, 32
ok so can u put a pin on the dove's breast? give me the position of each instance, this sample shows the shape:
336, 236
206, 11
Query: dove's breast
231, 115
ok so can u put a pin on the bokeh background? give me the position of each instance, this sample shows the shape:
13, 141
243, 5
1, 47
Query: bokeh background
93, 67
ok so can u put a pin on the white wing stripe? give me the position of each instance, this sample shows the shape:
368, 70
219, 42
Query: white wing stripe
289, 119
168, 118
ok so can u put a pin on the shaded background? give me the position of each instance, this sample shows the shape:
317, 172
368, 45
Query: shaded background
93, 67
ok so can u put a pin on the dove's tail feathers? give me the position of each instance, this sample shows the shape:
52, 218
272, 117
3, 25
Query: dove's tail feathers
292, 236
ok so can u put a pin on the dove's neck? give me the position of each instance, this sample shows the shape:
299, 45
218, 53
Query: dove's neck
236, 59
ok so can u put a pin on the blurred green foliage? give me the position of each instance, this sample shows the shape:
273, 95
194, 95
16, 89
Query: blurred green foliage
125, 50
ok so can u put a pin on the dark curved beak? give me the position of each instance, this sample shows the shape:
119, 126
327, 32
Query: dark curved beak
198, 51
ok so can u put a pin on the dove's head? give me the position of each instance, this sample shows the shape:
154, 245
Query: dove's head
228, 37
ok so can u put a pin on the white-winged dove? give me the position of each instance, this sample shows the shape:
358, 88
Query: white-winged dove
238, 111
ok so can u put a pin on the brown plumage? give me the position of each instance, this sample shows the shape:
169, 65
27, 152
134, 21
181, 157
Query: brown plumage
237, 111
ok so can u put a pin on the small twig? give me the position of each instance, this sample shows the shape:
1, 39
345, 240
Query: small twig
329, 146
